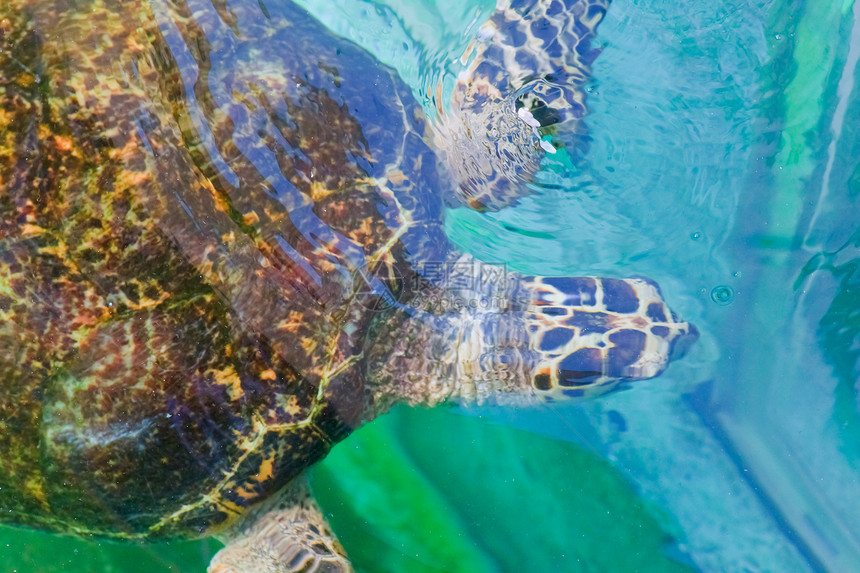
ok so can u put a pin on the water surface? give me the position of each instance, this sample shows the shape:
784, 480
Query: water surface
723, 163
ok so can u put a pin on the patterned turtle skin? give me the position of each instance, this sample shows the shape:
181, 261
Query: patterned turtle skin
216, 226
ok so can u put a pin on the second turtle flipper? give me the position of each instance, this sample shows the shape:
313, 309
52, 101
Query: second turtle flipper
287, 535
523, 83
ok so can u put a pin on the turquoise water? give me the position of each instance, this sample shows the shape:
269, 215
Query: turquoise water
723, 164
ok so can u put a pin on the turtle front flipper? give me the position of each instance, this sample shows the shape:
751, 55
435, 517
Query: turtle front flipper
520, 95
286, 535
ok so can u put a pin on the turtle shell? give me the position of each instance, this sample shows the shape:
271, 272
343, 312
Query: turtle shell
191, 209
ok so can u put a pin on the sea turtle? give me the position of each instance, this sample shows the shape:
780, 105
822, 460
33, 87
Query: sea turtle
222, 250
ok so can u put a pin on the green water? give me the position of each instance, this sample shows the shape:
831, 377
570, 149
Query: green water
430, 491
404, 494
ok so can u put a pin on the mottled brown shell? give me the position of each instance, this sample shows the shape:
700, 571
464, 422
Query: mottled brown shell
183, 246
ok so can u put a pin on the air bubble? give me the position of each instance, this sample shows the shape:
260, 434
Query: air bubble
722, 295
696, 235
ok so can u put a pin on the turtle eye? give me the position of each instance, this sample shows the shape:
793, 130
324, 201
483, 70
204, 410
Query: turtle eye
682, 343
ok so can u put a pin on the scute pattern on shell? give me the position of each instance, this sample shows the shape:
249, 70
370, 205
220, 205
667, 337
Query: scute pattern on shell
168, 354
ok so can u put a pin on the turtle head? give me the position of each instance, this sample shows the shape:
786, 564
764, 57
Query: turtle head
588, 335
506, 335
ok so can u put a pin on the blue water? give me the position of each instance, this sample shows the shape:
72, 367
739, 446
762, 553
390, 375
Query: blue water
724, 164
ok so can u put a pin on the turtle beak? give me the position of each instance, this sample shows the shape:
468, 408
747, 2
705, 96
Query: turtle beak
683, 342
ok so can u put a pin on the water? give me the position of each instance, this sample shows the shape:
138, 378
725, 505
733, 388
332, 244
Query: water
723, 163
